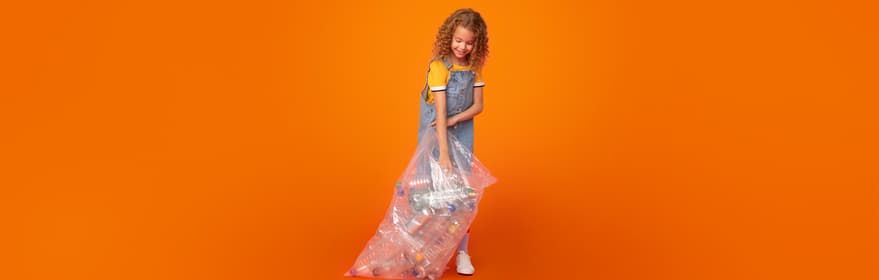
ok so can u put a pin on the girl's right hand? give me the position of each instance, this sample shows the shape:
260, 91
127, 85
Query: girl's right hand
445, 163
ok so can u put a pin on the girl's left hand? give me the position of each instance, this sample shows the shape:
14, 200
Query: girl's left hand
449, 121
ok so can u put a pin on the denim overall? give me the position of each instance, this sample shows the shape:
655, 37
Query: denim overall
459, 97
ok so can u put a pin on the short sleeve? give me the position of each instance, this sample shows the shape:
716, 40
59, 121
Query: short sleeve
479, 82
438, 76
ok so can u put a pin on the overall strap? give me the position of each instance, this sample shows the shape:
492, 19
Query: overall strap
447, 63
426, 87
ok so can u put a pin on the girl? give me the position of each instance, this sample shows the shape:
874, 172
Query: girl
454, 88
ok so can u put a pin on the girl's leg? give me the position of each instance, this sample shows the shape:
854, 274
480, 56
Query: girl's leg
463, 245
465, 267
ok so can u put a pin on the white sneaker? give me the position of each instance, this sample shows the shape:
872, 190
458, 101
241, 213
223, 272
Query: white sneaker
464, 265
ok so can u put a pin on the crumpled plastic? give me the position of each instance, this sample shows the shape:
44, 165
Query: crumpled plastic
430, 212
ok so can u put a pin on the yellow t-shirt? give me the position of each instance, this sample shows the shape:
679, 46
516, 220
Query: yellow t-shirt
438, 77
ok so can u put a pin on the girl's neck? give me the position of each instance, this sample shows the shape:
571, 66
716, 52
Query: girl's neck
454, 60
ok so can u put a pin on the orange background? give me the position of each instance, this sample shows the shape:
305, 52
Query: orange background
631, 140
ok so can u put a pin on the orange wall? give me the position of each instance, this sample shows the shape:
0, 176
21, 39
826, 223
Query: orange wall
631, 140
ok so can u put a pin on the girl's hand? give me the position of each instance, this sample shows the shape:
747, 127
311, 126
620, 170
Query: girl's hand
450, 121
445, 163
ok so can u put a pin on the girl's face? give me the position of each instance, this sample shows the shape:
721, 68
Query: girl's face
462, 42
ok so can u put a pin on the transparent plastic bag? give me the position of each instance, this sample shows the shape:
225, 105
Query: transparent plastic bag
430, 212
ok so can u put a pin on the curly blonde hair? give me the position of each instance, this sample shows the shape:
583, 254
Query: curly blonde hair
470, 19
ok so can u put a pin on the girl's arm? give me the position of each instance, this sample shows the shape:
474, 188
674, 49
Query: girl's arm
442, 129
471, 112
